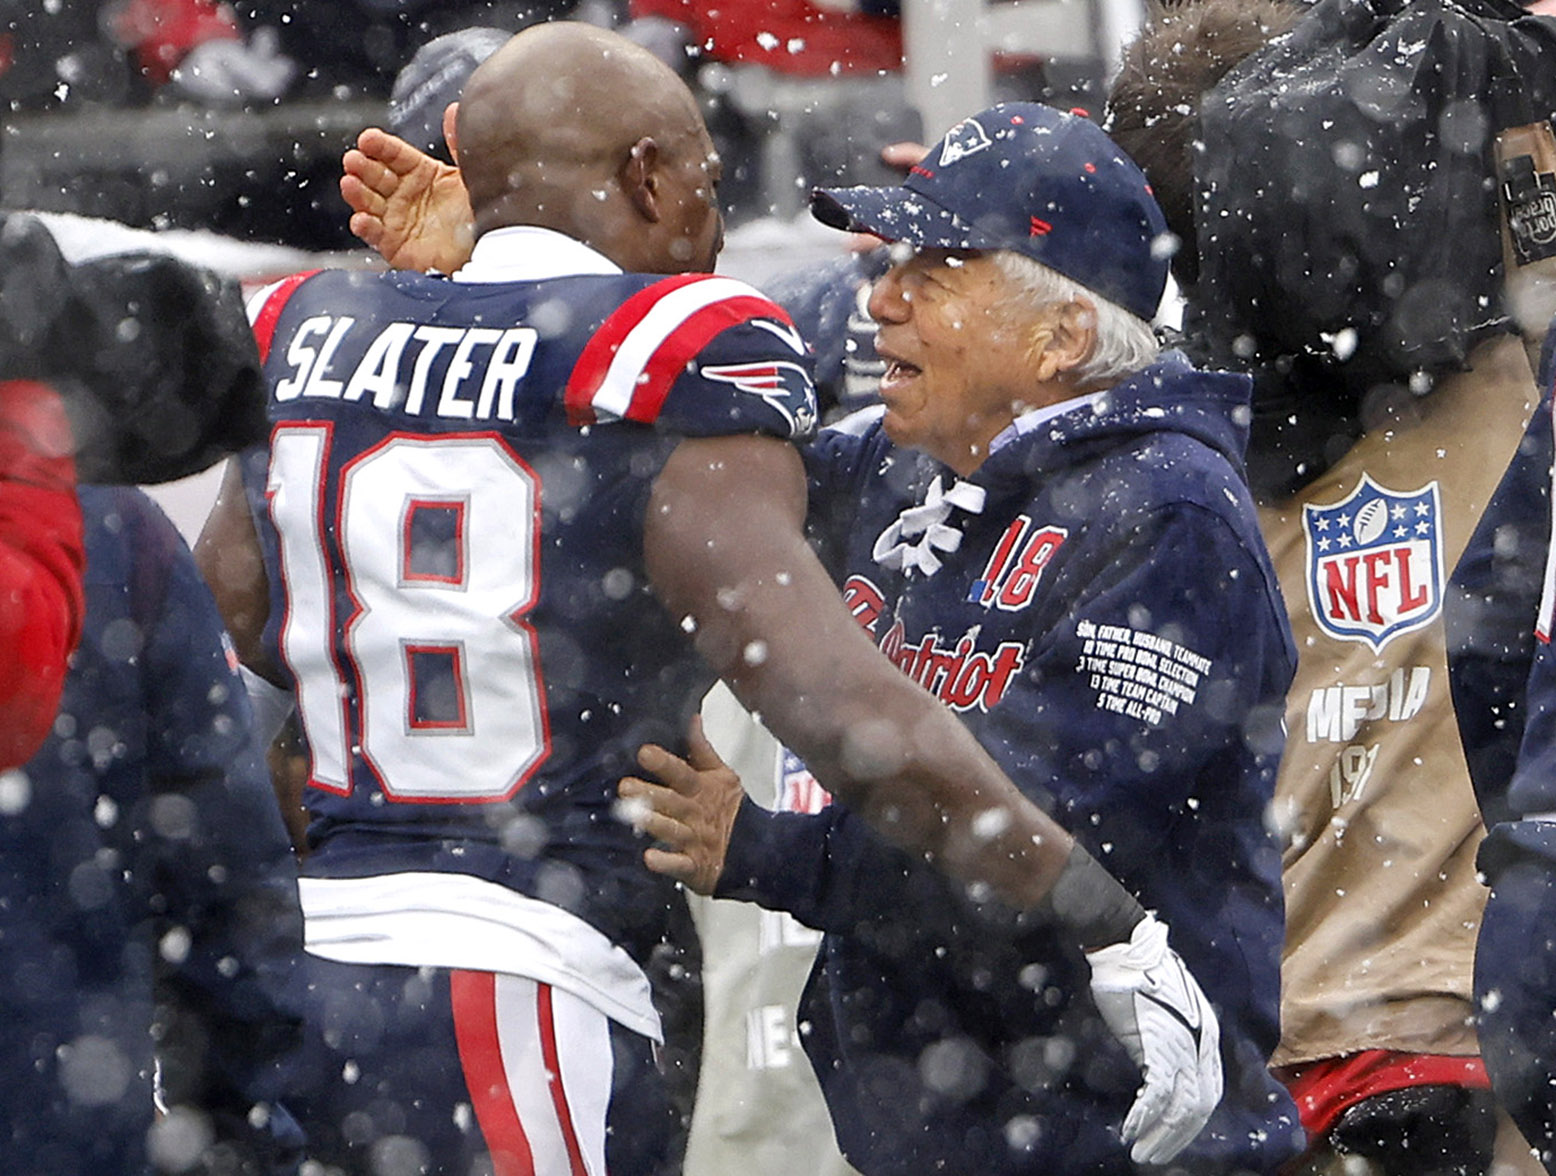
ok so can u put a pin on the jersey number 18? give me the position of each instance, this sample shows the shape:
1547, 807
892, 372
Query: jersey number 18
435, 679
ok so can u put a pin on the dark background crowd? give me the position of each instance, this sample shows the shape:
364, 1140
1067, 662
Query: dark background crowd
232, 117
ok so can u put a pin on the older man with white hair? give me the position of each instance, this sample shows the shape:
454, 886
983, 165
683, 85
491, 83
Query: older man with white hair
1047, 526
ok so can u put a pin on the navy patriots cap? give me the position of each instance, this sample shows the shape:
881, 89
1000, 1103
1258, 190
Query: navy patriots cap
1029, 178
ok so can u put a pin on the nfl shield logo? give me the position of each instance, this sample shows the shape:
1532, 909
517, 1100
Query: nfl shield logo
798, 791
1374, 562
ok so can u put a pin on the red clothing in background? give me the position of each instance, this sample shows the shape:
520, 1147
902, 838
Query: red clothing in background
788, 36
160, 32
41, 560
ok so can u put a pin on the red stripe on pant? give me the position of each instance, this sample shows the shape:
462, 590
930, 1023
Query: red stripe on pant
473, 996
564, 1115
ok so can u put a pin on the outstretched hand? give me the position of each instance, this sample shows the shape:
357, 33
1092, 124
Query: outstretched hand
413, 209
690, 814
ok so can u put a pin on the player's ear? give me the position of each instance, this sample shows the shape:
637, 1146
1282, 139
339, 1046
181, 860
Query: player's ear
450, 131
640, 178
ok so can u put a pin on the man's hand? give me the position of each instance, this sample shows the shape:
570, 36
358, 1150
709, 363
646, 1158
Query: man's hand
903, 156
690, 815
1156, 1009
407, 205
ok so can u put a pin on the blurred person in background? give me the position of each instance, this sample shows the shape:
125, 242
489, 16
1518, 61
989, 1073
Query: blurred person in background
1499, 623
40, 563
70, 57
149, 919
355, 49
425, 90
1379, 432
1498, 620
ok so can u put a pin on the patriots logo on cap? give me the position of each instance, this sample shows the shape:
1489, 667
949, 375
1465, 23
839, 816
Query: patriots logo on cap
785, 386
1375, 562
965, 138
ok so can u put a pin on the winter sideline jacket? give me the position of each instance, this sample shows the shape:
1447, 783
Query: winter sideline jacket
1378, 822
149, 919
1096, 603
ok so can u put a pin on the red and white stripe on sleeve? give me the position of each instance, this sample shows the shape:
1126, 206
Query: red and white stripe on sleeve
265, 306
627, 369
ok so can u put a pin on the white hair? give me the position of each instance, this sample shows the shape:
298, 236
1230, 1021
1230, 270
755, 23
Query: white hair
1125, 342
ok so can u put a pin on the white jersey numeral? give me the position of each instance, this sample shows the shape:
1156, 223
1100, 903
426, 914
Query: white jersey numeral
449, 699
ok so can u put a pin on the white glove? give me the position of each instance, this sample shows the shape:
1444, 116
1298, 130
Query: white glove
1157, 1010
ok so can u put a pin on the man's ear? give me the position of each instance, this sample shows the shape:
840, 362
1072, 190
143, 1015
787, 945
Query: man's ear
1072, 337
450, 131
640, 178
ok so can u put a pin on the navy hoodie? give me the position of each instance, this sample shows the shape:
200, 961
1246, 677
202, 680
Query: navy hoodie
1501, 669
1098, 605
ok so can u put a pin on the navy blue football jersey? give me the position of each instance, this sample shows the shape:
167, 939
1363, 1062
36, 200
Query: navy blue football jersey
456, 565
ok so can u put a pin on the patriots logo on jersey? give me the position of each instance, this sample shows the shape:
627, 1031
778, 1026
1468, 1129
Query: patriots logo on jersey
785, 386
1375, 562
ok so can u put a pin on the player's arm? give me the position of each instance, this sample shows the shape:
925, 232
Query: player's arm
824, 868
725, 548
228, 556
41, 561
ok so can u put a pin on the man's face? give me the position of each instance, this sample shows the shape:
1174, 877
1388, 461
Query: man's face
693, 221
957, 363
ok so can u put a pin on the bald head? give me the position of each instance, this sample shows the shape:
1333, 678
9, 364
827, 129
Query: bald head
575, 128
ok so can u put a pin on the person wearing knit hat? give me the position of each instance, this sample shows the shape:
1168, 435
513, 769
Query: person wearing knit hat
433, 79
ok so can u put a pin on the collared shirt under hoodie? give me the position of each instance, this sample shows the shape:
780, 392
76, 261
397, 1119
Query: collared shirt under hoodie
1108, 624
